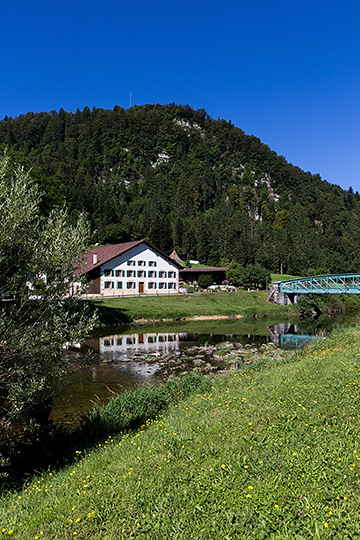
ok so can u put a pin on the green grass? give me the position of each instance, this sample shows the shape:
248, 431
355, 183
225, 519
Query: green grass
179, 306
271, 451
248, 325
283, 277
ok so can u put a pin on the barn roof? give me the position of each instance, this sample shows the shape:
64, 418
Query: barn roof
203, 270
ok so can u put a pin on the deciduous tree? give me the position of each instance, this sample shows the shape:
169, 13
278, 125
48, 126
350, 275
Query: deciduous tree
40, 308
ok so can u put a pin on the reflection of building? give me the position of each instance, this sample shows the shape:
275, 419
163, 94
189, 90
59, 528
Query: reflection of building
130, 269
145, 343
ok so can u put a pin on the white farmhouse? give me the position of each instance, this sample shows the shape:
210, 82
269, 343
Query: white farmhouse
129, 269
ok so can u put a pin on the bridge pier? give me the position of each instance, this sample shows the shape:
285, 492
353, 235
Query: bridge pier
281, 298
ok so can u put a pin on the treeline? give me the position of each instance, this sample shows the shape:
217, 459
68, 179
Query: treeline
181, 179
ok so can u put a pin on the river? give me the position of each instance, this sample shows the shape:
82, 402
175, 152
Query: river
119, 358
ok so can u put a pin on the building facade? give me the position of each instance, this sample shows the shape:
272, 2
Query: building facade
130, 269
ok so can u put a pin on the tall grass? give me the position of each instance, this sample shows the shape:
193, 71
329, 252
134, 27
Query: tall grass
131, 409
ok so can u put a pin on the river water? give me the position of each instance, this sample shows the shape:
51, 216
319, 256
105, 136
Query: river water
119, 358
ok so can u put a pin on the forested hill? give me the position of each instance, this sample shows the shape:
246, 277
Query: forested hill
181, 179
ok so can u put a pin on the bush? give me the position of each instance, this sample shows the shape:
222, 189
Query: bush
204, 281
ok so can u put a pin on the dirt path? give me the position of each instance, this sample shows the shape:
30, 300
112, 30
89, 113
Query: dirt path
195, 318
211, 317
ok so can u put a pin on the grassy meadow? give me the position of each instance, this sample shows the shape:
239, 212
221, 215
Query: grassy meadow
267, 451
228, 304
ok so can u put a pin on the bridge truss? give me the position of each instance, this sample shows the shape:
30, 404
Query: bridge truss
331, 284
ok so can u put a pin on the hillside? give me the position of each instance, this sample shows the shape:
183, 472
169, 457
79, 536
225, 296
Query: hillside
181, 179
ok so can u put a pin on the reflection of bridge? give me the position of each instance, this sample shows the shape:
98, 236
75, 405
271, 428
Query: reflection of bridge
287, 292
286, 336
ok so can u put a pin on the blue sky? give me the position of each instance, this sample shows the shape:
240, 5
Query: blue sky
287, 72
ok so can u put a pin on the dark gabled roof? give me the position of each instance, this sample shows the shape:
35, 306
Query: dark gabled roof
203, 270
107, 253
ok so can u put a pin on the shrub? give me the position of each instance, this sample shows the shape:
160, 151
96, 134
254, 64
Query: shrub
204, 281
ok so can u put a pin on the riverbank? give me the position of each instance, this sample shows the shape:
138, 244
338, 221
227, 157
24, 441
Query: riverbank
201, 306
155, 309
270, 450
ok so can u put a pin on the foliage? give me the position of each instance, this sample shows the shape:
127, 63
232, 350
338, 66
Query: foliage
256, 276
204, 281
253, 275
40, 310
176, 176
314, 304
235, 273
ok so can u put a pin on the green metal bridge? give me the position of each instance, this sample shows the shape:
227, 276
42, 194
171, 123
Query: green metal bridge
285, 292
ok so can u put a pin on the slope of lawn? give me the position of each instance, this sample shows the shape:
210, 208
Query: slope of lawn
228, 304
268, 451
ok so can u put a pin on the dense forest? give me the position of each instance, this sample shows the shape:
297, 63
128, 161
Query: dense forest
184, 180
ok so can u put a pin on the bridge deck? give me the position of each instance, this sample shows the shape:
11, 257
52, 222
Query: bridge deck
330, 284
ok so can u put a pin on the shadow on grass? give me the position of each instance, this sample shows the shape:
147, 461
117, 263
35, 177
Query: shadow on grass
111, 316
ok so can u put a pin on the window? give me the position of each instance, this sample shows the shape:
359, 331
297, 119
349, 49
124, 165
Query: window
130, 273
130, 341
107, 284
141, 273
107, 343
171, 285
119, 341
152, 273
107, 272
130, 285
119, 284
162, 285
161, 273
119, 273
152, 263
141, 263
151, 285
131, 263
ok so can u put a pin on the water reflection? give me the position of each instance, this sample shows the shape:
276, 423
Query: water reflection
118, 347
122, 346
287, 336
125, 357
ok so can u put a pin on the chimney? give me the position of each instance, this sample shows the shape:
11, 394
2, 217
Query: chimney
94, 258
